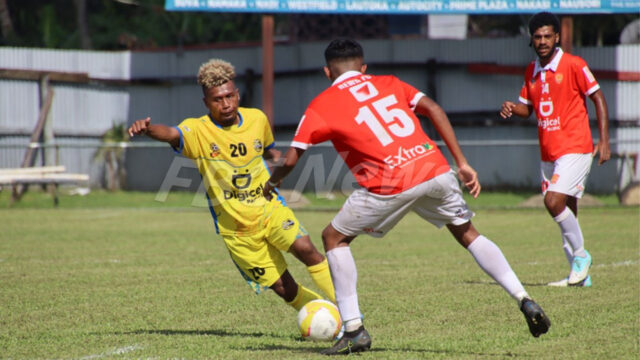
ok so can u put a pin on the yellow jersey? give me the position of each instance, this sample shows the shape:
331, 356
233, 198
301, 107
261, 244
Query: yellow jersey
230, 161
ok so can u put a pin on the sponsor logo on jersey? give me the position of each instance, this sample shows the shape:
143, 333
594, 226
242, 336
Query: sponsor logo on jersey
257, 145
554, 178
404, 156
288, 224
185, 128
550, 124
248, 196
215, 150
241, 181
362, 92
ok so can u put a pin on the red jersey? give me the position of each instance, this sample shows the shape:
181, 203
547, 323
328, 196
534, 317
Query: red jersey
558, 94
371, 123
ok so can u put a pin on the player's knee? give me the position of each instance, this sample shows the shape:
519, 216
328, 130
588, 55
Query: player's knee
465, 233
332, 238
329, 238
554, 204
304, 250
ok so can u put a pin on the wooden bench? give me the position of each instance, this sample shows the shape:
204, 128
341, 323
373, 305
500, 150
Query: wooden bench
44, 175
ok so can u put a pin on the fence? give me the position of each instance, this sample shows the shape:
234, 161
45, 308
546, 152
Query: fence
469, 79
501, 163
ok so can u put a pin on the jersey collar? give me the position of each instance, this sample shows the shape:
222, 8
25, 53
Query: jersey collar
220, 126
346, 75
552, 65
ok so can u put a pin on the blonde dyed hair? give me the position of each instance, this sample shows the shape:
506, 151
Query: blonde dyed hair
215, 72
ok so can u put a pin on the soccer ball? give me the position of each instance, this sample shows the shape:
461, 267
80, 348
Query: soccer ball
319, 320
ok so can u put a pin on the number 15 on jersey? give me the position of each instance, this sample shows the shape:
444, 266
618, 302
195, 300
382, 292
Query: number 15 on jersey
395, 121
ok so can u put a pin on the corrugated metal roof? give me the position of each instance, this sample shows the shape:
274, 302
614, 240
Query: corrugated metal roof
98, 64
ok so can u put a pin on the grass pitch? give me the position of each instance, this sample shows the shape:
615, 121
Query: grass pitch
149, 280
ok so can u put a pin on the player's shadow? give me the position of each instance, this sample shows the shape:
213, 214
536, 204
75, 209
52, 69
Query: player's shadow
173, 332
316, 348
390, 350
478, 282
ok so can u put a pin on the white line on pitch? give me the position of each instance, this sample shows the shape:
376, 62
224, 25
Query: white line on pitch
617, 264
118, 351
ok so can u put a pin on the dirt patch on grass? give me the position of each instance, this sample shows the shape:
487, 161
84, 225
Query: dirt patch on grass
536, 201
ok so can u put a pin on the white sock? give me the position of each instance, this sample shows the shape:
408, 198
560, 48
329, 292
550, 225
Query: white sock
492, 261
570, 229
568, 251
345, 276
352, 325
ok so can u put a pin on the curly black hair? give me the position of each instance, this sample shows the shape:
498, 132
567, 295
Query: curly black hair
543, 19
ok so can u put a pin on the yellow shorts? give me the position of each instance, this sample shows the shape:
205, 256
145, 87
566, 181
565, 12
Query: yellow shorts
258, 256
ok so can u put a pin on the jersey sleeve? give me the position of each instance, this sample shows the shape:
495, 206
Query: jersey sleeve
188, 139
585, 80
525, 97
312, 130
267, 136
412, 95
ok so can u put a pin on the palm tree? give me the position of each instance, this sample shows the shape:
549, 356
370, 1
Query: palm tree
111, 153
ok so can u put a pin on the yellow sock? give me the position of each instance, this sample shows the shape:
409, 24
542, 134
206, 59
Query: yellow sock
304, 296
321, 276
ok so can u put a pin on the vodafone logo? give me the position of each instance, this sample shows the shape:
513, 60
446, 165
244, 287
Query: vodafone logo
364, 91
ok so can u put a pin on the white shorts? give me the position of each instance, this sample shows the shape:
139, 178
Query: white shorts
438, 200
566, 175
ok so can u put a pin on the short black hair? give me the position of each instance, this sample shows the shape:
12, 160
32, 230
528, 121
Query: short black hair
343, 49
543, 19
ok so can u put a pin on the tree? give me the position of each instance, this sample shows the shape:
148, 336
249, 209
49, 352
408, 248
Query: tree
5, 20
83, 26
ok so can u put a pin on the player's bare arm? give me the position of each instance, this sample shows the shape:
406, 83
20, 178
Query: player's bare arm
290, 160
509, 109
273, 158
155, 131
466, 173
602, 113
273, 155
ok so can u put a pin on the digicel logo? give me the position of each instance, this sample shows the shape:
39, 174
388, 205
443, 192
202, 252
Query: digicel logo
248, 196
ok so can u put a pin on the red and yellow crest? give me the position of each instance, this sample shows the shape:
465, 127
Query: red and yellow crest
558, 78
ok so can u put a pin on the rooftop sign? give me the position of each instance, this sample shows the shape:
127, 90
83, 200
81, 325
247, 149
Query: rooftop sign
413, 7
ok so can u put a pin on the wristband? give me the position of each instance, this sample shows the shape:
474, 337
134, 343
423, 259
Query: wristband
272, 184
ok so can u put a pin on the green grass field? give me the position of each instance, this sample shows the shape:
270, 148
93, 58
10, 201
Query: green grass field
124, 276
